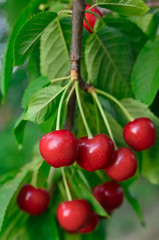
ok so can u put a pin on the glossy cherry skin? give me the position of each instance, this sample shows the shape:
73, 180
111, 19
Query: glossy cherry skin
73, 215
123, 165
140, 134
110, 195
33, 201
91, 225
91, 18
59, 148
94, 153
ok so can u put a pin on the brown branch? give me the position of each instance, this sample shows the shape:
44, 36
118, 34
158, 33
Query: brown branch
75, 54
152, 4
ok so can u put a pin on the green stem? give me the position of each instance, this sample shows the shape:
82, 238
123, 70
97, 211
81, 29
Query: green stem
60, 79
70, 94
65, 184
65, 11
60, 104
104, 118
107, 95
50, 177
81, 111
95, 14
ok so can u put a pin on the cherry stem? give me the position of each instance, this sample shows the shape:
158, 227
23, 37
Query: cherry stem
81, 111
95, 14
107, 95
60, 104
70, 94
50, 177
66, 184
104, 118
60, 79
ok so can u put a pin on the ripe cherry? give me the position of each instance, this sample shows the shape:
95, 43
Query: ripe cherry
91, 225
59, 148
94, 153
73, 215
123, 165
140, 134
109, 195
91, 18
33, 201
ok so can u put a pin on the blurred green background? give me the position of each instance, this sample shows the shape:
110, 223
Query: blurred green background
123, 224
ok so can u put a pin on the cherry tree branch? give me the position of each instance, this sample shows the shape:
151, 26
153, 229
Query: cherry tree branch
152, 4
75, 55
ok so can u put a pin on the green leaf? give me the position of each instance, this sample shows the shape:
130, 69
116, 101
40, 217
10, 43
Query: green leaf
7, 192
42, 175
7, 66
145, 75
19, 129
33, 87
81, 191
43, 227
135, 204
124, 7
55, 47
148, 23
109, 60
41, 104
137, 37
150, 158
29, 34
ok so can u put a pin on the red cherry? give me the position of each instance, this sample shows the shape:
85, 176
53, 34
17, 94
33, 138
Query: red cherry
33, 201
91, 18
94, 153
91, 225
123, 165
140, 134
73, 215
59, 148
109, 195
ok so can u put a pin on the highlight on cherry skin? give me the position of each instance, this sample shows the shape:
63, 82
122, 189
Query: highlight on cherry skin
140, 134
33, 201
59, 148
123, 165
91, 18
74, 215
94, 153
110, 195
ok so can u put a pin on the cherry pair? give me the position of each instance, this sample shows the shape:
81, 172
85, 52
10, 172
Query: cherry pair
77, 216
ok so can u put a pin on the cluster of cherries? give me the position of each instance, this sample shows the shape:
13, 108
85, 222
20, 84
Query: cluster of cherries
61, 148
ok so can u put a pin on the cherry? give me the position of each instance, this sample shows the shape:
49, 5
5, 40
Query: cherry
123, 165
73, 215
33, 201
140, 134
91, 225
91, 18
94, 153
59, 148
109, 195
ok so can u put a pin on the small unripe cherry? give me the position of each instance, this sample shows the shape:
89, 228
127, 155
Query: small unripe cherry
140, 134
91, 225
91, 18
59, 148
110, 195
73, 215
123, 165
94, 153
33, 201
